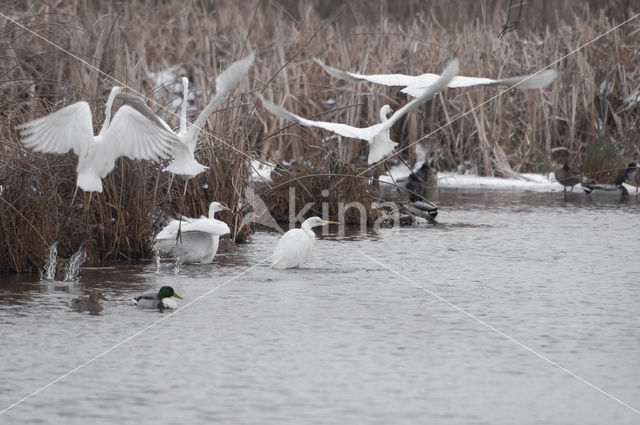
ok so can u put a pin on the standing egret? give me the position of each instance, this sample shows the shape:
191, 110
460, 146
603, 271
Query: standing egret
129, 134
199, 237
295, 246
380, 143
414, 85
160, 300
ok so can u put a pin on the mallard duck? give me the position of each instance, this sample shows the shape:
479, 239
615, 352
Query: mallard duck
161, 300
568, 176
423, 209
89, 302
427, 175
621, 178
633, 174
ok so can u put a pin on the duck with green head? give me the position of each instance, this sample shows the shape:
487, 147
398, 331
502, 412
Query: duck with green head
160, 300
89, 302
618, 183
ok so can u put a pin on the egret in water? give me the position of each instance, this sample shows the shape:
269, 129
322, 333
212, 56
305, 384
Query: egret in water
414, 84
199, 237
380, 143
129, 134
184, 163
160, 300
295, 246
89, 302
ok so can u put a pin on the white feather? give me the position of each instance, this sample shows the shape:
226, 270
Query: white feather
380, 144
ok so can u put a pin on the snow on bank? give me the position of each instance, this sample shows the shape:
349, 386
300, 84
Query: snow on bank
535, 182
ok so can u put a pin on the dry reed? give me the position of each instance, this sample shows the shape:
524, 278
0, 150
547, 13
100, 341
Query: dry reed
589, 109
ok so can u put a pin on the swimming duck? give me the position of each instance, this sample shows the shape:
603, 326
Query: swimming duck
424, 209
161, 300
89, 302
633, 174
568, 176
621, 179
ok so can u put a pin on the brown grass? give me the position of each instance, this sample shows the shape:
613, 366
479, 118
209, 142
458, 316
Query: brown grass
515, 132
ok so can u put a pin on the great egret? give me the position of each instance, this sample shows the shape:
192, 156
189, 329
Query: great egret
89, 302
414, 84
568, 176
295, 246
380, 143
129, 134
160, 300
184, 163
199, 237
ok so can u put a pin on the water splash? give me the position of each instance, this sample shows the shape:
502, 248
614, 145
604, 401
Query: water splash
156, 259
176, 267
49, 272
73, 267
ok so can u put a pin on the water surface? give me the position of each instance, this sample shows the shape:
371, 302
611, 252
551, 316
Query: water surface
346, 340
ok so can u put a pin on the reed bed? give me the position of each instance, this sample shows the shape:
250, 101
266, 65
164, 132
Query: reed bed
591, 108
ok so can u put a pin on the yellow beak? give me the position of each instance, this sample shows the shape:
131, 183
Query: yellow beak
330, 222
176, 295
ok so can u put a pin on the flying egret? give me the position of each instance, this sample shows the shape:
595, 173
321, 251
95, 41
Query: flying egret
184, 163
294, 247
414, 84
129, 134
160, 300
380, 143
199, 237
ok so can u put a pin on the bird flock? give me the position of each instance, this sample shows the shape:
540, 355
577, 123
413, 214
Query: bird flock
136, 132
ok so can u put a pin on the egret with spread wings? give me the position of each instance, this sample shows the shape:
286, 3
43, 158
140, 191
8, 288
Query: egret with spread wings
380, 143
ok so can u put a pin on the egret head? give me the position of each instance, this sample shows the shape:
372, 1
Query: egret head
215, 207
115, 90
185, 84
384, 112
317, 221
166, 292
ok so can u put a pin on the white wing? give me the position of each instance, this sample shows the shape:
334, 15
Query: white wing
523, 82
366, 133
427, 93
416, 83
224, 84
170, 230
206, 225
133, 135
60, 131
292, 250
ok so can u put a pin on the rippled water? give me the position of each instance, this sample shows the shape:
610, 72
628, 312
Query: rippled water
346, 340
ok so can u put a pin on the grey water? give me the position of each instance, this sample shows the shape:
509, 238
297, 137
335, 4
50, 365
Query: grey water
516, 308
